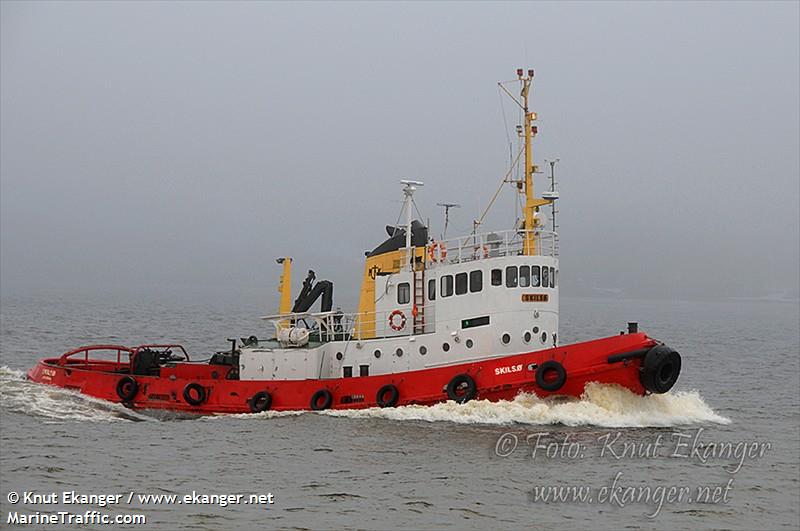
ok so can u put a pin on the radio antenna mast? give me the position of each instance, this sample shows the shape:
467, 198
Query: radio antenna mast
447, 207
553, 190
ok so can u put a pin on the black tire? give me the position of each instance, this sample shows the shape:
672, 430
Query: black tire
325, 396
462, 388
544, 378
660, 369
196, 388
387, 401
127, 388
261, 401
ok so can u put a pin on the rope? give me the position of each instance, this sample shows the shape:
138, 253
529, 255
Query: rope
397, 223
494, 197
505, 122
417, 209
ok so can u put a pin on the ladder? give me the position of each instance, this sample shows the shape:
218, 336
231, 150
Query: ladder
418, 310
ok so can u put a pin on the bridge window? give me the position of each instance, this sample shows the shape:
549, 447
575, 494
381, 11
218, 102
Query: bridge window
347, 372
461, 283
403, 293
524, 276
475, 281
511, 277
363, 370
534, 276
497, 277
552, 277
555, 278
545, 278
447, 286
432, 289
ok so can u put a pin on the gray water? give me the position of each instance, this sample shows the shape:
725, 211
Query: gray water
434, 468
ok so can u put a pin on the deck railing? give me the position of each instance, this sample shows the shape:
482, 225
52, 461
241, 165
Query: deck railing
490, 245
340, 326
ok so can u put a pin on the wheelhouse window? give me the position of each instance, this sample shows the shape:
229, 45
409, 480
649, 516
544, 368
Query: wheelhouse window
461, 283
403, 293
363, 370
524, 276
432, 289
555, 277
534, 276
446, 289
475, 281
552, 277
497, 277
511, 276
545, 277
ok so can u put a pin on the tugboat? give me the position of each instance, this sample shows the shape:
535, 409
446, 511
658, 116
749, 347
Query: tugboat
474, 317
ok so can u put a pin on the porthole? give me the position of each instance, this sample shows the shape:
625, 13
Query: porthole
339, 356
544, 337
535, 329
446, 347
469, 343
377, 353
527, 337
398, 352
506, 339
423, 349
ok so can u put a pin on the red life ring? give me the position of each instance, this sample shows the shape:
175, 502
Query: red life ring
394, 326
437, 252
481, 250
432, 251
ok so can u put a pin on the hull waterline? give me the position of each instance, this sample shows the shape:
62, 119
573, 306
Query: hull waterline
613, 360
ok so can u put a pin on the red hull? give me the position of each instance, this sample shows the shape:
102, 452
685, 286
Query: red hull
495, 379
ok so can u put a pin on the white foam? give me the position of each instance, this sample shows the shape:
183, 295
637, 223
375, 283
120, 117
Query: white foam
56, 404
607, 406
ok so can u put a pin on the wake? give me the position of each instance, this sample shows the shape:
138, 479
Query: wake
607, 406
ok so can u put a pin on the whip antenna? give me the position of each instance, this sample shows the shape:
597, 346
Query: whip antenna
447, 207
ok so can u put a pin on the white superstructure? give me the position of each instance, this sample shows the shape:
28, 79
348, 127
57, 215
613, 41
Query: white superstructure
427, 303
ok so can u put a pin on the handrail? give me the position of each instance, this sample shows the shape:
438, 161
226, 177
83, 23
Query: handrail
490, 245
85, 349
333, 324
62, 360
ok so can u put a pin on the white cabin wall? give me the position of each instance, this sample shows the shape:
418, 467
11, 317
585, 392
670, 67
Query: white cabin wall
504, 306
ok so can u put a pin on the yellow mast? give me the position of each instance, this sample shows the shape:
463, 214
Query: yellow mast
531, 202
530, 241
285, 287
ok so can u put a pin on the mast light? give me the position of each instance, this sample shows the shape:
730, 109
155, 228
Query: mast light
519, 72
530, 72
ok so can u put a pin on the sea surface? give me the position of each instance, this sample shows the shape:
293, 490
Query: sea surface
727, 436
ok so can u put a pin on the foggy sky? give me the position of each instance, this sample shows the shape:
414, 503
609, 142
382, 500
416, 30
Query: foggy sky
184, 146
